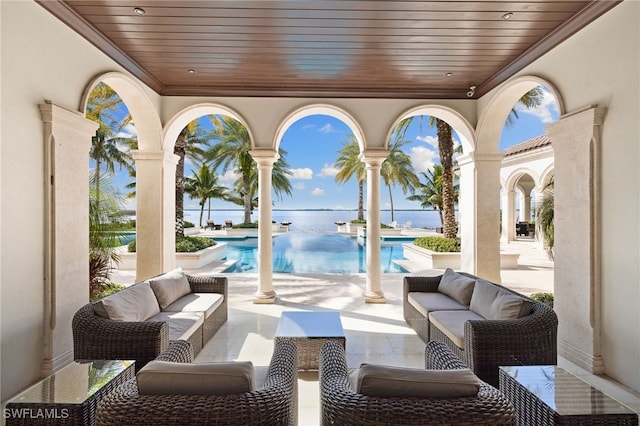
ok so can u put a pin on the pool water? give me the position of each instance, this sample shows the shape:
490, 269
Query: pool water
311, 252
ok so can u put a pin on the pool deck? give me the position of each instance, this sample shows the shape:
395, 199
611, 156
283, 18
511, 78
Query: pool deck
375, 333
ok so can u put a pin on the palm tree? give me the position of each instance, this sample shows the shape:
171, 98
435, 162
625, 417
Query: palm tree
232, 152
532, 99
105, 210
203, 185
544, 219
188, 144
103, 107
445, 147
397, 169
349, 165
430, 192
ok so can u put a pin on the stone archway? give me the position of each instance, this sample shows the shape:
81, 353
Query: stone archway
468, 197
154, 166
481, 170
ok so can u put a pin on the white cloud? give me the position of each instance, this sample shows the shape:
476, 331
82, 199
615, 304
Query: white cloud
304, 173
429, 140
318, 192
547, 111
228, 178
128, 131
327, 128
328, 171
422, 159
299, 185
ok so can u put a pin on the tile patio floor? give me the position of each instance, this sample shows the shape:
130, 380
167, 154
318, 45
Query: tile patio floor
375, 333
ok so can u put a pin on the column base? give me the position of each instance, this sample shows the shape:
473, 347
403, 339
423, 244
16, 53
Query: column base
374, 297
265, 298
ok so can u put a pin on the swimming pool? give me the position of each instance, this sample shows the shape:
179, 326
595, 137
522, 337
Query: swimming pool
311, 252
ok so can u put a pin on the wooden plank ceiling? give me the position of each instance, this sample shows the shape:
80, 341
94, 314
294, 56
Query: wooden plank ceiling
325, 48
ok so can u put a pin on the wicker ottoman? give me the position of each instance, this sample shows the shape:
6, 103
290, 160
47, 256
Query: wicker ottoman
309, 331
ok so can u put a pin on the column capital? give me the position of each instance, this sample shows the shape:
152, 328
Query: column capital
264, 157
475, 157
374, 157
144, 154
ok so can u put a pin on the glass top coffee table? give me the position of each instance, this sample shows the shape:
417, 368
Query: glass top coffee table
309, 331
70, 396
550, 395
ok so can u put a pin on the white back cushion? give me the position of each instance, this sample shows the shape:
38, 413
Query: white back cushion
135, 303
170, 287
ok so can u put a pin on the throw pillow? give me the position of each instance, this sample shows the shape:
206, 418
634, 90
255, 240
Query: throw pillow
509, 307
135, 303
170, 287
387, 381
457, 286
211, 378
483, 296
493, 303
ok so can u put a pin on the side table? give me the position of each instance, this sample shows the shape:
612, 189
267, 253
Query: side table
70, 396
550, 395
309, 331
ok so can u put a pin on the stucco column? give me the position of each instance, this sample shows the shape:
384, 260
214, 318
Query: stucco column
508, 223
155, 212
265, 159
576, 145
373, 160
479, 205
67, 140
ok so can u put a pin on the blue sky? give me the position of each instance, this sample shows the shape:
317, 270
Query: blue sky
312, 144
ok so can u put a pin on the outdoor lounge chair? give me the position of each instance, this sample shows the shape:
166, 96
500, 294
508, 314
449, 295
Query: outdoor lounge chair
228, 223
340, 404
275, 402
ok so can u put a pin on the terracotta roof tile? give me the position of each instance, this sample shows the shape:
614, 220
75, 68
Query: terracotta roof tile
531, 144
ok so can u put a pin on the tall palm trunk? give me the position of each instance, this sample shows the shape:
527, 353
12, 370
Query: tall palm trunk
391, 202
445, 146
246, 198
360, 200
180, 150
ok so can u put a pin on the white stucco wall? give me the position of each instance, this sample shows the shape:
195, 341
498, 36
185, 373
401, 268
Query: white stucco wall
42, 59
601, 66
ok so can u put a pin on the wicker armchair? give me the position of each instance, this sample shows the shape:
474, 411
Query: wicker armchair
276, 403
340, 405
488, 344
95, 337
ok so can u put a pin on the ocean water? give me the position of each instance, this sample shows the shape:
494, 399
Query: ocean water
320, 220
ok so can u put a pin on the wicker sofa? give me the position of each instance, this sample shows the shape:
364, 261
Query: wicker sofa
340, 404
274, 402
475, 328
138, 322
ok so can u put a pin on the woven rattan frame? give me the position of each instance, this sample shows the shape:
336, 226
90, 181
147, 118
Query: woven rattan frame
340, 405
95, 337
276, 403
488, 344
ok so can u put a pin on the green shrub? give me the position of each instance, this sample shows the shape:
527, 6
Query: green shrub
358, 221
106, 290
439, 244
188, 224
245, 225
187, 244
546, 298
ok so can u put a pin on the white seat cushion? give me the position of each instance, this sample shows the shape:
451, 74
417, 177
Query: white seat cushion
197, 302
182, 325
426, 301
210, 378
388, 381
451, 323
